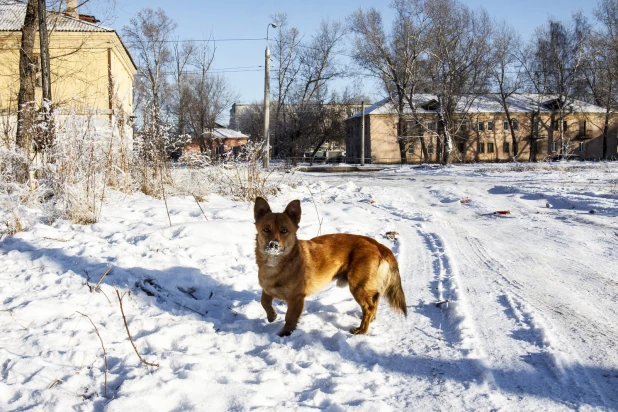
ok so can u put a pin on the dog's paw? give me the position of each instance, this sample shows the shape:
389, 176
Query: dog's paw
271, 316
356, 331
284, 333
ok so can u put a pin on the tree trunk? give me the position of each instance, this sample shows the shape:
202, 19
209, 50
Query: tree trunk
605, 131
424, 150
534, 138
45, 139
401, 127
26, 113
513, 138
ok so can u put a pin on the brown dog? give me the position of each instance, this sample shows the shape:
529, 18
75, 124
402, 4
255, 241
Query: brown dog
290, 269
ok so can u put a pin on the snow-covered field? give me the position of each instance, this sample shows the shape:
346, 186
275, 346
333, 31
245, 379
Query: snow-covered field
531, 321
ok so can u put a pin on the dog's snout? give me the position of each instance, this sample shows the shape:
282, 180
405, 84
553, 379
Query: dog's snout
273, 244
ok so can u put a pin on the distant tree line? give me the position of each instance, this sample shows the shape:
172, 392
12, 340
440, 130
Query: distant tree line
442, 47
306, 110
176, 95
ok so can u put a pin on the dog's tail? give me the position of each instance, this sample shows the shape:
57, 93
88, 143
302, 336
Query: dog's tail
394, 292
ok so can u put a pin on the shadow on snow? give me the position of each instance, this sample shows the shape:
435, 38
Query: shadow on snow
215, 302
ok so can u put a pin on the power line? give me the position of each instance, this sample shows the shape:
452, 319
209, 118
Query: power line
196, 40
219, 70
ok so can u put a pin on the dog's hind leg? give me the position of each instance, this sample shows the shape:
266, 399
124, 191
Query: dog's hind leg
267, 304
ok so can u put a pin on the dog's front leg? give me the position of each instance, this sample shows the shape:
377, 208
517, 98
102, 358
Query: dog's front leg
267, 304
295, 309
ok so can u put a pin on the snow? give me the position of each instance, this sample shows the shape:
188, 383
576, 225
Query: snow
530, 323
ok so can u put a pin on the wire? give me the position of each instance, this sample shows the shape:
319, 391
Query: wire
238, 69
195, 40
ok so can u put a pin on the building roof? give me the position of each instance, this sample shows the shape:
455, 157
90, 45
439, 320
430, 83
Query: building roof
489, 103
13, 13
223, 133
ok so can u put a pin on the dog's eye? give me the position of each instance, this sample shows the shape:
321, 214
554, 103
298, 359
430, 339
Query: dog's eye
266, 230
284, 231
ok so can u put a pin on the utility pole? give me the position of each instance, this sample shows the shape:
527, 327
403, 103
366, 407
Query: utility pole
362, 133
267, 100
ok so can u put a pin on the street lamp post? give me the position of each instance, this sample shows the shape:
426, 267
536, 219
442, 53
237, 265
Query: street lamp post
267, 99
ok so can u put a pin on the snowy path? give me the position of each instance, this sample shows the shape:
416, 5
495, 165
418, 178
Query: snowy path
531, 322
516, 310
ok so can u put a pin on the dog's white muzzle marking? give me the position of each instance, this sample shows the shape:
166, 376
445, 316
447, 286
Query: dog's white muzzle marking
273, 248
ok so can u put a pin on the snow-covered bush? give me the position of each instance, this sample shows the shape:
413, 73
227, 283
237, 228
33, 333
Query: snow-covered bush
79, 165
238, 176
154, 147
241, 175
68, 176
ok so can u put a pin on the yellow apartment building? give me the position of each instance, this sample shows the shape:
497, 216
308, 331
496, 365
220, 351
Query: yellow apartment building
91, 71
483, 133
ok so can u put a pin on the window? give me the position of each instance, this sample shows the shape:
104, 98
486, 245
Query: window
582, 146
505, 125
431, 126
411, 128
490, 126
554, 146
556, 125
515, 124
481, 147
465, 125
430, 148
481, 126
490, 147
461, 147
582, 128
412, 148
506, 148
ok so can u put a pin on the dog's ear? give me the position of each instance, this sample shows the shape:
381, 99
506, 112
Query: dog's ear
261, 208
293, 211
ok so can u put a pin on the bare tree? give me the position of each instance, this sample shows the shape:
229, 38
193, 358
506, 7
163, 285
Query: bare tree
200, 85
183, 53
507, 73
328, 122
378, 54
148, 35
304, 72
457, 63
555, 64
251, 121
437, 46
601, 63
287, 67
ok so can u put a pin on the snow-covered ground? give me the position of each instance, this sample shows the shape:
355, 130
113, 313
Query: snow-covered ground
531, 321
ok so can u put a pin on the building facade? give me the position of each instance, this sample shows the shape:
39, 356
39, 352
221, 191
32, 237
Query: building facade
91, 71
543, 126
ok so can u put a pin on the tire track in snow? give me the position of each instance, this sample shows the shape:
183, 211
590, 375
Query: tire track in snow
458, 327
561, 360
461, 331
532, 330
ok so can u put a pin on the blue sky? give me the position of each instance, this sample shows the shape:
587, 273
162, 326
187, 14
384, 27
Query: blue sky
249, 18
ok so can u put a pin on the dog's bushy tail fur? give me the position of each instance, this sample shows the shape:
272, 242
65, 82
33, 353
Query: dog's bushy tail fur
394, 292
